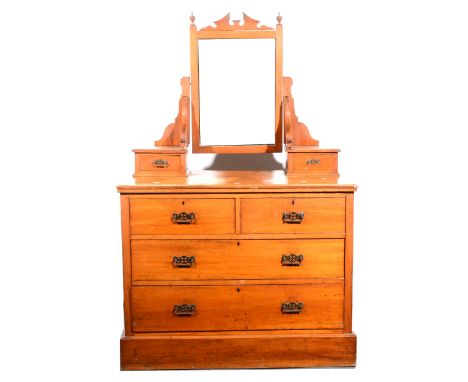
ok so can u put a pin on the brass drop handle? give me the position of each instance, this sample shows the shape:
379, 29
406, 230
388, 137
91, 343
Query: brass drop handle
313, 162
291, 260
293, 217
183, 310
183, 261
161, 163
183, 218
291, 307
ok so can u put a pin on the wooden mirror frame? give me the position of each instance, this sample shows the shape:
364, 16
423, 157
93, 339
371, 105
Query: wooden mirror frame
249, 29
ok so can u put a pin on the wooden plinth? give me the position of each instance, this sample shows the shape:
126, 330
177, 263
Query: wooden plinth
222, 351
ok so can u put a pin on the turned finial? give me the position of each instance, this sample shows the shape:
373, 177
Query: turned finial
279, 18
192, 18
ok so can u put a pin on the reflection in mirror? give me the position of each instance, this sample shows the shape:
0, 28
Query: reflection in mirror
237, 91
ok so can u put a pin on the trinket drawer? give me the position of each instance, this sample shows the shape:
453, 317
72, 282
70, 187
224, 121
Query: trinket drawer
226, 270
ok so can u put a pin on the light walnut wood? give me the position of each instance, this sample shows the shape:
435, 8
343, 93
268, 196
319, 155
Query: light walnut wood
178, 132
236, 282
237, 237
146, 165
153, 217
226, 24
348, 302
224, 29
326, 215
295, 132
240, 333
127, 262
237, 181
315, 163
246, 307
261, 350
236, 259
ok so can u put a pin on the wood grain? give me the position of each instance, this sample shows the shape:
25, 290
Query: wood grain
145, 166
348, 301
263, 350
246, 307
153, 217
126, 262
295, 132
178, 132
265, 215
313, 163
236, 181
224, 29
236, 259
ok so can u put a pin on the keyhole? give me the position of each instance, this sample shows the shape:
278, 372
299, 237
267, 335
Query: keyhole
183, 202
238, 243
292, 201
238, 289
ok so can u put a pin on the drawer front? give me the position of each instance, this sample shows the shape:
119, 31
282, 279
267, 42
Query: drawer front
157, 162
179, 216
293, 215
313, 163
233, 259
251, 307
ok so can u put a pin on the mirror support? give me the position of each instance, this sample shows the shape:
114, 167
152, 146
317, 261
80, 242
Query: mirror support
304, 157
178, 132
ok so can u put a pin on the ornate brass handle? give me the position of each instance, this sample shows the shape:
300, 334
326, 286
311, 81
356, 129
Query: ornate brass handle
161, 163
293, 217
183, 218
183, 310
291, 260
183, 261
313, 162
291, 307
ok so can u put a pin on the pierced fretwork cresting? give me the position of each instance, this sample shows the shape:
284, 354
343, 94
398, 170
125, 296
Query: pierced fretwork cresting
293, 217
183, 218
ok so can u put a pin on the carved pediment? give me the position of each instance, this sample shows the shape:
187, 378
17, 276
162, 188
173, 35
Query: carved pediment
225, 24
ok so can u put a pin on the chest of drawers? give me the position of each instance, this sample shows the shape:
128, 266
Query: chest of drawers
237, 270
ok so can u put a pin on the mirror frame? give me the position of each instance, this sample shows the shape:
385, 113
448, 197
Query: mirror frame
249, 29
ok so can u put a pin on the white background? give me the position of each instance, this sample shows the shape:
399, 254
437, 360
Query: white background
237, 72
84, 82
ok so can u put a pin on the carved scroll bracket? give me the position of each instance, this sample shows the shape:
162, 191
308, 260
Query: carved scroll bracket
295, 132
178, 132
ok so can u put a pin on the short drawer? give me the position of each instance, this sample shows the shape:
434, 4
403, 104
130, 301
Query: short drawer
181, 216
157, 164
313, 163
243, 307
293, 215
236, 259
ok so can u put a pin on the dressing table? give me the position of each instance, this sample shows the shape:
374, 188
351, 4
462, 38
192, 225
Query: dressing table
237, 269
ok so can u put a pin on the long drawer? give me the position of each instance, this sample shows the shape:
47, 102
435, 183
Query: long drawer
182, 216
292, 215
236, 259
250, 307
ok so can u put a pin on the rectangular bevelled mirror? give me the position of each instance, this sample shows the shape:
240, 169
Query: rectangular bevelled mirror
236, 87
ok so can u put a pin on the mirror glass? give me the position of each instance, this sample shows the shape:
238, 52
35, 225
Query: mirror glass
237, 91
